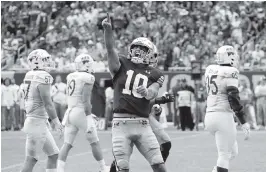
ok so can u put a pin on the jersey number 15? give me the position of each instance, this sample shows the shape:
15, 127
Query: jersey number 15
211, 84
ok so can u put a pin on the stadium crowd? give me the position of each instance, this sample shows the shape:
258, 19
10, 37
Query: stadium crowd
183, 31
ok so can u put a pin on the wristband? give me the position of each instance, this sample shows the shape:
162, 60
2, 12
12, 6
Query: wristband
56, 121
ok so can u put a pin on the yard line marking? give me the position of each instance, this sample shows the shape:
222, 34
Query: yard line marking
44, 160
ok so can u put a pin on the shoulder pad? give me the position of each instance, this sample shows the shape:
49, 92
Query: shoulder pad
39, 76
87, 78
229, 72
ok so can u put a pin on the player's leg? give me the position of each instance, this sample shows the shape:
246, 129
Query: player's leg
69, 137
225, 139
51, 150
122, 145
89, 127
149, 147
70, 133
234, 152
165, 150
35, 130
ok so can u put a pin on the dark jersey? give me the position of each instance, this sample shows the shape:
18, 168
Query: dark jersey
126, 80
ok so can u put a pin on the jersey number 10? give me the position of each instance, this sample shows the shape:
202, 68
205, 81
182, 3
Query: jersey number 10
139, 76
210, 80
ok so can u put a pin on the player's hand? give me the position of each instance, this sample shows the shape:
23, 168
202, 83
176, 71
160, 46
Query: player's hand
169, 98
58, 127
142, 90
246, 128
106, 23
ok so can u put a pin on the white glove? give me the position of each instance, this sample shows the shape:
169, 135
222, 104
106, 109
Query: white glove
246, 128
58, 126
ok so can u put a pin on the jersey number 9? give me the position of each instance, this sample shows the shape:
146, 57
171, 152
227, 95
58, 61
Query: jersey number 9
139, 76
211, 84
71, 87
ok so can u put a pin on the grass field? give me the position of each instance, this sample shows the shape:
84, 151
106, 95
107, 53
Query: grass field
191, 152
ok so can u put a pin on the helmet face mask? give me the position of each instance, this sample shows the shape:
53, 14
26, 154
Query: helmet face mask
40, 60
84, 63
141, 51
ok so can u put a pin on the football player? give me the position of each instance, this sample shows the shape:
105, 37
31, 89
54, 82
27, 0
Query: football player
223, 103
135, 84
154, 117
78, 115
39, 107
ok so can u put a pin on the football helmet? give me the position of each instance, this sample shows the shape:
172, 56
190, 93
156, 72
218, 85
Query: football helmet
227, 55
84, 62
40, 60
141, 50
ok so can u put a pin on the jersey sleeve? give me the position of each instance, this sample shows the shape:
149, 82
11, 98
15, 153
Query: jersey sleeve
157, 76
231, 75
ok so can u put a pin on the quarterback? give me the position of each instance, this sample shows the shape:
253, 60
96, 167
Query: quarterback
39, 107
136, 83
78, 115
223, 103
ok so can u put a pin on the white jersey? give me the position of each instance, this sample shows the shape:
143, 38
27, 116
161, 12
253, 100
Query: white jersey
34, 105
75, 85
217, 79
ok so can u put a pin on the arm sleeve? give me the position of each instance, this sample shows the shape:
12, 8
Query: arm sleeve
233, 94
234, 101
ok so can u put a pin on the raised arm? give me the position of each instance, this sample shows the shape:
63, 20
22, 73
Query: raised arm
113, 59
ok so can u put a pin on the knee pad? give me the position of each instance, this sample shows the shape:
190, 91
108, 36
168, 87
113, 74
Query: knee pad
165, 148
223, 159
122, 165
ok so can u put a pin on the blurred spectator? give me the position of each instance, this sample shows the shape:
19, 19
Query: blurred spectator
8, 105
59, 97
260, 92
185, 100
16, 106
22, 113
246, 97
182, 31
70, 50
201, 98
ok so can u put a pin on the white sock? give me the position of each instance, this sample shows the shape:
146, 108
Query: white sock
50, 170
61, 166
102, 164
